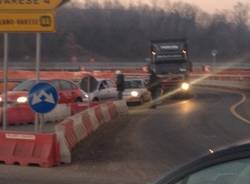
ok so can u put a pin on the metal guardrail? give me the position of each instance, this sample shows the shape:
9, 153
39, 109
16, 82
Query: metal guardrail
67, 66
75, 66
225, 65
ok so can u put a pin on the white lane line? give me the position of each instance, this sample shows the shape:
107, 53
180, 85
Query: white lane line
233, 109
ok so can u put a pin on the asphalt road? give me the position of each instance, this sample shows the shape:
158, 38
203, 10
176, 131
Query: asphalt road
148, 143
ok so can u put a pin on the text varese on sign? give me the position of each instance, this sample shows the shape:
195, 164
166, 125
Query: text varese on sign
29, 4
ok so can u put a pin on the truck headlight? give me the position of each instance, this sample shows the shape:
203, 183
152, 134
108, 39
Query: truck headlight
185, 86
134, 94
22, 99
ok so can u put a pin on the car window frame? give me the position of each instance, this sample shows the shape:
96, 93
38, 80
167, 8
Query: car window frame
110, 84
61, 85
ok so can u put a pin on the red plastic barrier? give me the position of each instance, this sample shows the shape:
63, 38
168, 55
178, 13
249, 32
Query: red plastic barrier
29, 149
21, 114
87, 123
75, 108
70, 133
99, 114
79, 107
112, 109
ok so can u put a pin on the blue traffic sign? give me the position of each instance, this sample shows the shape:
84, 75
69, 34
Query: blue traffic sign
43, 97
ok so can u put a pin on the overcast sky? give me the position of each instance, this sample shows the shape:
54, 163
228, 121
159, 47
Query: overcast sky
207, 5
213, 5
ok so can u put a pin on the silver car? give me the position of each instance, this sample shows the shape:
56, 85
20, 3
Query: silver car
136, 91
104, 90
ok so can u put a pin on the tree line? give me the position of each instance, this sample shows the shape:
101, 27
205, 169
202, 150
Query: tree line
112, 30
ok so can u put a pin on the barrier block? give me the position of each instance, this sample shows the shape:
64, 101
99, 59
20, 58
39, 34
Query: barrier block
70, 135
65, 152
61, 112
78, 107
105, 113
98, 113
112, 109
21, 114
121, 107
79, 128
87, 122
93, 119
29, 149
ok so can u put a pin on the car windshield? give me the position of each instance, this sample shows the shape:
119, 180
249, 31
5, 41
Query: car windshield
24, 86
142, 87
133, 84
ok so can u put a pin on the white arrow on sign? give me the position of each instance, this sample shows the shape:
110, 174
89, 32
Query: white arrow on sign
37, 98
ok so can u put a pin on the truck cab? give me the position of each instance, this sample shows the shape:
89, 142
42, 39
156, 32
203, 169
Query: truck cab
170, 61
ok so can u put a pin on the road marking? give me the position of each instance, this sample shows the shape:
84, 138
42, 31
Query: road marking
233, 109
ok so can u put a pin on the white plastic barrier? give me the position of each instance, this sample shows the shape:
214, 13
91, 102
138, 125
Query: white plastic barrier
122, 107
80, 125
65, 153
79, 128
105, 113
93, 118
61, 112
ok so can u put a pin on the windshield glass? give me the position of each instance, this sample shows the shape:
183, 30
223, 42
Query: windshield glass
133, 84
24, 86
235, 172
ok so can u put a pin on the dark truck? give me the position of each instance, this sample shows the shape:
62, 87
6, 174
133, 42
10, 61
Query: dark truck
170, 61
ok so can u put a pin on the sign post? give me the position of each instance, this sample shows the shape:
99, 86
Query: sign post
38, 59
38, 55
214, 55
19, 16
5, 80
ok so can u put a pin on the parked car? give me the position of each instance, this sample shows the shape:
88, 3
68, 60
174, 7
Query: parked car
102, 89
136, 91
68, 91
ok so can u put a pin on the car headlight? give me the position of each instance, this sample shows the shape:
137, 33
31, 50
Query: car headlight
22, 99
185, 86
86, 96
134, 94
1, 99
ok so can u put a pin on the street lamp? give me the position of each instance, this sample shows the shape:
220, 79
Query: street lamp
154, 54
214, 55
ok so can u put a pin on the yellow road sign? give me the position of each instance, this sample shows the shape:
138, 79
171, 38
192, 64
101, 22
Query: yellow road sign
27, 22
29, 4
